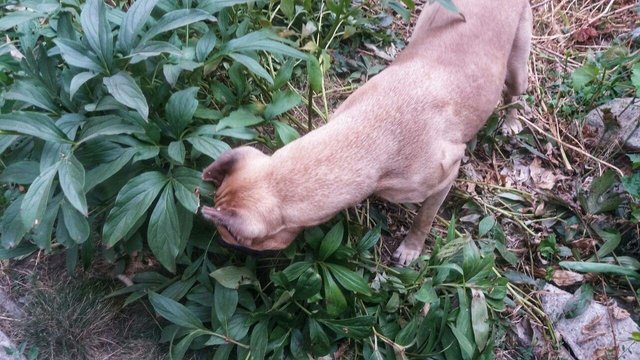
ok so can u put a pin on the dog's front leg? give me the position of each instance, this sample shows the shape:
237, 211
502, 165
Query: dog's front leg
412, 245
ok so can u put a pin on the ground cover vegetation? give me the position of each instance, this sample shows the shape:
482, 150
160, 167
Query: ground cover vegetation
109, 110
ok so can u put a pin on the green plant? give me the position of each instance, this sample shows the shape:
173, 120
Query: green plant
328, 291
133, 105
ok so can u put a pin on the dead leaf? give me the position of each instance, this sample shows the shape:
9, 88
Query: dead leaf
566, 277
591, 325
619, 313
585, 34
541, 177
605, 353
584, 244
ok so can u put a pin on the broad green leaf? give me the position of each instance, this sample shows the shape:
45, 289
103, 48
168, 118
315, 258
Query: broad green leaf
466, 347
19, 252
133, 22
288, 8
6, 141
13, 228
331, 241
34, 124
71, 176
354, 328
75, 54
233, 277
632, 184
427, 294
284, 74
635, 158
223, 352
76, 223
174, 20
314, 73
42, 232
296, 269
593, 267
449, 5
611, 242
309, 284
153, 48
239, 118
180, 349
253, 66
180, 109
635, 77
21, 172
259, 340
35, 200
126, 91
215, 6
174, 311
320, 343
281, 102
213, 148
238, 133
351, 280
407, 334
103, 172
205, 45
31, 94
333, 296
185, 182
79, 80
486, 225
479, 318
97, 31
100, 126
261, 41
163, 234
9, 20
369, 239
285, 132
177, 151
132, 202
225, 302
584, 75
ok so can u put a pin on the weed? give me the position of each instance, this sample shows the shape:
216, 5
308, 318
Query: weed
67, 322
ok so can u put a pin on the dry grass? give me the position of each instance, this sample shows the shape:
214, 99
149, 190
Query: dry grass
69, 318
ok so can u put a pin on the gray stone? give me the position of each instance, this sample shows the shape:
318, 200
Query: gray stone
615, 122
591, 333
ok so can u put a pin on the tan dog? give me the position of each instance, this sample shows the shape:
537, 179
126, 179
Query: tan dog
400, 136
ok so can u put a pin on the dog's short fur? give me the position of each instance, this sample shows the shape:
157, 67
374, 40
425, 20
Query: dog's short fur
400, 136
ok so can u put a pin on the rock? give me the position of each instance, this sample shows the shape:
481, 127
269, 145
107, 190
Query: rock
590, 335
616, 121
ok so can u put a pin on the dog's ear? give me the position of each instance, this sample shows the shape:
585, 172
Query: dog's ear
219, 169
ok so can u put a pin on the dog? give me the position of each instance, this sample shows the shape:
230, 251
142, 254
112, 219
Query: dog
401, 136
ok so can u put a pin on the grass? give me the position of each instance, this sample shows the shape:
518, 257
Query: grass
70, 318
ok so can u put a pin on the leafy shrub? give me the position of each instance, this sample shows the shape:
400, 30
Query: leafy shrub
133, 106
331, 292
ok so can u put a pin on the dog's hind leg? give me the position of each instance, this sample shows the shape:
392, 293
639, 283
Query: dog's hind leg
411, 246
517, 74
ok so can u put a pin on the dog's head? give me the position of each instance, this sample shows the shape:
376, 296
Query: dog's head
247, 212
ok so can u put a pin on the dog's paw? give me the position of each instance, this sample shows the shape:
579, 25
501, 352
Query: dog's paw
405, 255
511, 124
